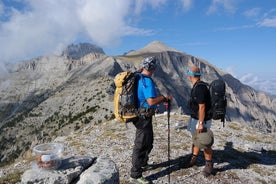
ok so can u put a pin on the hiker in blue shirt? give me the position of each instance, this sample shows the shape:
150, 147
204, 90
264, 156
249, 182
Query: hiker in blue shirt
147, 99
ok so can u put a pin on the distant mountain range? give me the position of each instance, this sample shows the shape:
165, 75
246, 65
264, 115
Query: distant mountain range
51, 96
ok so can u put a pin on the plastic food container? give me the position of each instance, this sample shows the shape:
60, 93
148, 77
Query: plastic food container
48, 155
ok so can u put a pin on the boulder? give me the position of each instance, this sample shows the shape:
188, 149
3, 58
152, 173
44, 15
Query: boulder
75, 169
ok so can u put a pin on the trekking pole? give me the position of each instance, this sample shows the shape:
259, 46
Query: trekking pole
168, 107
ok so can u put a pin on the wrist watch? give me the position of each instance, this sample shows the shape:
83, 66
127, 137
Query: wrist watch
200, 122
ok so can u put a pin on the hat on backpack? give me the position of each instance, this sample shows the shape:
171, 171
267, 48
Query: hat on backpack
203, 140
149, 63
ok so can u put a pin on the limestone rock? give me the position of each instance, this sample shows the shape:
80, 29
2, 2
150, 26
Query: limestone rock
103, 171
69, 170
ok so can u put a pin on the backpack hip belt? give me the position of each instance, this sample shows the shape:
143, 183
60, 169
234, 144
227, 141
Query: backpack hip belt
146, 112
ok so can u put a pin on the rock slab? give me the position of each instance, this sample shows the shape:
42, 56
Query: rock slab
75, 170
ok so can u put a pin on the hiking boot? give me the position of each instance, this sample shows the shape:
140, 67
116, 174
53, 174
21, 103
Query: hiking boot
140, 180
208, 169
191, 161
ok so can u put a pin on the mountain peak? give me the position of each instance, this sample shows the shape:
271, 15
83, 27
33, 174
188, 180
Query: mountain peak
76, 51
153, 47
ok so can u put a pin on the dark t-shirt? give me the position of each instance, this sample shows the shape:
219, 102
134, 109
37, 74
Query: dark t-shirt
200, 95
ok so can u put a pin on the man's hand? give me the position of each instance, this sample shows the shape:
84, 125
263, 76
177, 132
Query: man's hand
167, 98
199, 128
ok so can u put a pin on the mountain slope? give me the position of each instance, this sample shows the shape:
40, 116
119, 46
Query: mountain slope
53, 96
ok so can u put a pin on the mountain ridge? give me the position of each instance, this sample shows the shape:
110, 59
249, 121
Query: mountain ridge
52, 96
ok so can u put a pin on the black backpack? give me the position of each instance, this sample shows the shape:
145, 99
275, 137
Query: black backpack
218, 101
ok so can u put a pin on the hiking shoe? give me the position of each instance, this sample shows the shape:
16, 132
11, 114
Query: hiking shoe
191, 161
208, 169
140, 180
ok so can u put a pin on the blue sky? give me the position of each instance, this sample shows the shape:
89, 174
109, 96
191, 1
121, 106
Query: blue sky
238, 36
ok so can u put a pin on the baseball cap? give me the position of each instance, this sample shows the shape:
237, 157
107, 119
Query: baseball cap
149, 63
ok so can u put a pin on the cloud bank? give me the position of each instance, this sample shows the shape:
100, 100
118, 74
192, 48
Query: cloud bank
31, 28
263, 84
40, 27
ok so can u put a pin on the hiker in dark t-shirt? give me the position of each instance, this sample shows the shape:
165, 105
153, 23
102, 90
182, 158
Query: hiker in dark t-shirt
147, 99
200, 121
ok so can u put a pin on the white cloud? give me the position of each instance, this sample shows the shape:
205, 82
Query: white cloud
155, 3
3, 70
235, 28
227, 5
1, 9
268, 22
231, 70
187, 4
270, 13
267, 85
47, 26
259, 83
252, 13
249, 79
269, 19
141, 5
104, 24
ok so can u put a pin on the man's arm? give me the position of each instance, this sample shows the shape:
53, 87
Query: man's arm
159, 99
201, 112
201, 116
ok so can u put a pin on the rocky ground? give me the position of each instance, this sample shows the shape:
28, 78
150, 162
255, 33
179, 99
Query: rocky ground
241, 154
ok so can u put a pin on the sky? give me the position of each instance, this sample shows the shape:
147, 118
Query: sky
238, 36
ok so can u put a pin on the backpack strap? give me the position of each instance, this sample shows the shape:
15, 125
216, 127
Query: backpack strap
199, 82
142, 77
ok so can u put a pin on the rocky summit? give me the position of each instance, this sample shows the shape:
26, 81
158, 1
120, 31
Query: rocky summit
241, 154
69, 99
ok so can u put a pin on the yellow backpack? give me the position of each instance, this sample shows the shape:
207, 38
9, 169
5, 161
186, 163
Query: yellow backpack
125, 97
